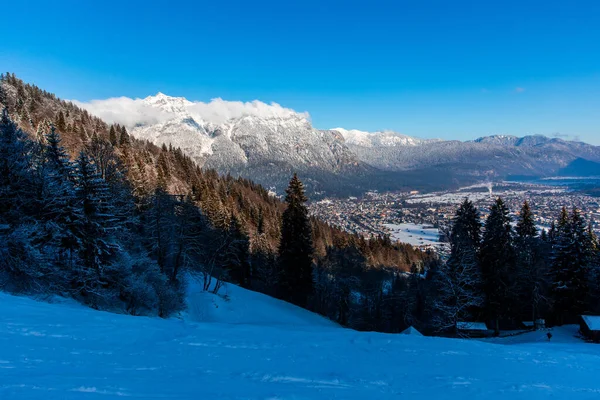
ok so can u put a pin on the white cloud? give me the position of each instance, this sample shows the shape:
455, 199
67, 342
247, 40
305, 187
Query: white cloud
131, 112
124, 110
519, 89
219, 110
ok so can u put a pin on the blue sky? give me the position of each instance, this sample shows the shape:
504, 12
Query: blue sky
447, 69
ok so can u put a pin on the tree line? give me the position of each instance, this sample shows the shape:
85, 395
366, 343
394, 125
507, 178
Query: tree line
505, 275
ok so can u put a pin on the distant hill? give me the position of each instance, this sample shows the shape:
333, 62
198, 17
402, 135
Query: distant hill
580, 167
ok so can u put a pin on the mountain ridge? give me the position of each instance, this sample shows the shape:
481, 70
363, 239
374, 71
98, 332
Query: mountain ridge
267, 142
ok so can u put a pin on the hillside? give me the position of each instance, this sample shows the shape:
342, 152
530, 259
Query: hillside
223, 198
64, 351
90, 213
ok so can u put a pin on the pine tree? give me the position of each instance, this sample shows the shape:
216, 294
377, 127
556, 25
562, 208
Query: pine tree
95, 230
112, 136
236, 256
569, 267
163, 170
296, 247
526, 225
61, 124
531, 264
498, 264
56, 154
55, 176
15, 163
467, 227
594, 271
124, 141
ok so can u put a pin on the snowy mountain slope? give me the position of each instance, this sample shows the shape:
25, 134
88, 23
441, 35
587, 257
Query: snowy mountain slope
62, 351
244, 142
379, 139
489, 157
267, 143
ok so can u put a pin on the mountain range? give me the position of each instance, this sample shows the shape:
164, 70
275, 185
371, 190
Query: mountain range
270, 144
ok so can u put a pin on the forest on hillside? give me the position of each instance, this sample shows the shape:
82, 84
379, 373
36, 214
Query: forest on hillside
90, 212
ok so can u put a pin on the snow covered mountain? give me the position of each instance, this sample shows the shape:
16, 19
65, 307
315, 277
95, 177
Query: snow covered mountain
251, 143
487, 157
378, 139
267, 143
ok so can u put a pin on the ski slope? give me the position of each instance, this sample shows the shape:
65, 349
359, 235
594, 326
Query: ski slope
254, 347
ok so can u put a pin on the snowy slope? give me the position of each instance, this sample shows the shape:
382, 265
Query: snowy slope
235, 305
378, 139
62, 351
236, 137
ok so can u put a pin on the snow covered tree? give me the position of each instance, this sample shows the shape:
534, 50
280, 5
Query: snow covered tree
497, 259
21, 265
296, 247
15, 162
458, 295
95, 231
458, 282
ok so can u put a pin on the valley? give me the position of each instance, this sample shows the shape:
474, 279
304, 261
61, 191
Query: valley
399, 213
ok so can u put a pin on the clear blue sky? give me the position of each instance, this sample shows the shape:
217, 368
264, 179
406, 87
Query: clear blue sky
448, 69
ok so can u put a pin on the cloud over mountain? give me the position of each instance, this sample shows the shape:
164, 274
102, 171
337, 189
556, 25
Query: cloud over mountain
151, 110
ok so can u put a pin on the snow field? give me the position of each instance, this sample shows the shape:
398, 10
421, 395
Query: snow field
254, 347
416, 235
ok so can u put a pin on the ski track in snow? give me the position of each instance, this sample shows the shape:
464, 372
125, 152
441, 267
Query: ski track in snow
66, 351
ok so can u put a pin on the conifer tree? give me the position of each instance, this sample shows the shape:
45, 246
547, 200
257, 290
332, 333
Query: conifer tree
95, 229
163, 169
124, 140
112, 136
569, 267
296, 247
14, 165
594, 271
56, 155
497, 264
56, 194
61, 124
526, 225
531, 264
236, 257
